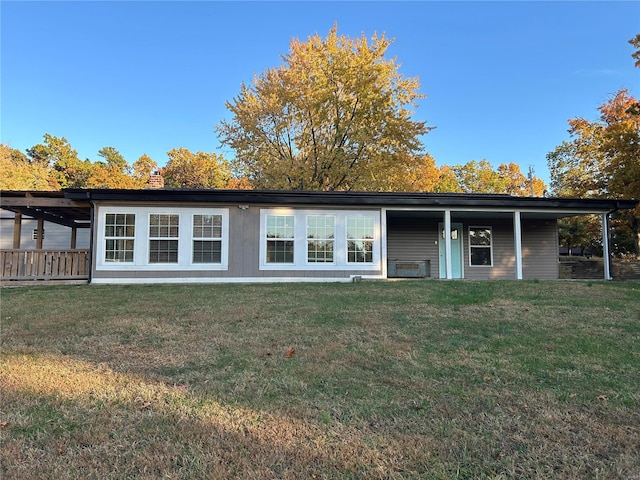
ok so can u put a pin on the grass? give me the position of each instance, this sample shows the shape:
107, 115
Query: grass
371, 380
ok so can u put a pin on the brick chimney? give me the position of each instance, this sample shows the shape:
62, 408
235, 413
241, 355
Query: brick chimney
155, 181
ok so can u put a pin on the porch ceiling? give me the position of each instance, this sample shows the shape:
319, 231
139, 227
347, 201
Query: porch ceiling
50, 206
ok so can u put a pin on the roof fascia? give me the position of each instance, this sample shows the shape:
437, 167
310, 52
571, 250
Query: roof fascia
407, 200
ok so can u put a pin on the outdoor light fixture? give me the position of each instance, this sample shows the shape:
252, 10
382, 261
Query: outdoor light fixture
243, 207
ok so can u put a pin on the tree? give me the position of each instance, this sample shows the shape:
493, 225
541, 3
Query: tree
67, 170
200, 170
635, 41
114, 158
603, 158
142, 170
18, 173
336, 115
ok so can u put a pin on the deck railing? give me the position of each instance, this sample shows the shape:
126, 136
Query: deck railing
44, 264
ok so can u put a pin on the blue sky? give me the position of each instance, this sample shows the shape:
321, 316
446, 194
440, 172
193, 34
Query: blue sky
501, 78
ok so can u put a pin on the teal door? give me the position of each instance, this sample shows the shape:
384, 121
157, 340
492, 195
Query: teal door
456, 250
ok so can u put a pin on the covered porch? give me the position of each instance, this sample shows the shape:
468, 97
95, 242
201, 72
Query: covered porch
61, 263
479, 243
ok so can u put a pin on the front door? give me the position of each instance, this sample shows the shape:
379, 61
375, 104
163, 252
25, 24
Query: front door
456, 250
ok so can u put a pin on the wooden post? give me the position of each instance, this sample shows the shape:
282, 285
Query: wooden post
17, 230
40, 234
73, 238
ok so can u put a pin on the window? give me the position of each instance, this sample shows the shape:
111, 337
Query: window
207, 238
163, 229
320, 238
480, 253
280, 238
360, 239
119, 233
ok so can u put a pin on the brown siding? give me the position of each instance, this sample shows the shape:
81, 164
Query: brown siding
540, 250
503, 251
413, 239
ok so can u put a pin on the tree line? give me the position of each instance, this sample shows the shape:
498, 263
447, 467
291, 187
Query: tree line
55, 165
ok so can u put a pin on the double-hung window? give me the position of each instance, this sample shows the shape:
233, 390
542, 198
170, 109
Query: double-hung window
207, 238
280, 233
360, 239
320, 238
119, 234
480, 246
163, 238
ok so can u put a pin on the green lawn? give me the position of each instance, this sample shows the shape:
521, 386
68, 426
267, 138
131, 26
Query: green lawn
369, 380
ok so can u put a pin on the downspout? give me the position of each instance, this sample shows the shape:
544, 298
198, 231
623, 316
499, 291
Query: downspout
91, 235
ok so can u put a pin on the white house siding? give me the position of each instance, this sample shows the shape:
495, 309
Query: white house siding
55, 236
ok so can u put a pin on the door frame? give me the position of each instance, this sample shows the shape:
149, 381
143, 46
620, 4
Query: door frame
456, 247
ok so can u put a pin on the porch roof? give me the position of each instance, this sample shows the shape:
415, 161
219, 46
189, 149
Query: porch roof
50, 206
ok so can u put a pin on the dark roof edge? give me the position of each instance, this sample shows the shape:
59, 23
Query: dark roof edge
347, 198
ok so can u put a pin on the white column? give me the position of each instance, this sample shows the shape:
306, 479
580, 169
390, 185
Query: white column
447, 244
606, 254
517, 233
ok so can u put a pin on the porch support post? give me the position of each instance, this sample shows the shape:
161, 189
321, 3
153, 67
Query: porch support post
17, 230
74, 232
447, 244
40, 234
606, 253
517, 233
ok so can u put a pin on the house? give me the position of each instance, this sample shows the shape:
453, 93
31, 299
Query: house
167, 235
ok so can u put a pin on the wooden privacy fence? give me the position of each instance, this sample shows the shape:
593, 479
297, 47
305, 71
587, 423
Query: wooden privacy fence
44, 264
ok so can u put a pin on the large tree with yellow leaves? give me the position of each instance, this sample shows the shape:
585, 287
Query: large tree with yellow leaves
336, 115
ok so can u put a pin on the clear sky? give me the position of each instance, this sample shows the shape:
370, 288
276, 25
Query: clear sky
501, 78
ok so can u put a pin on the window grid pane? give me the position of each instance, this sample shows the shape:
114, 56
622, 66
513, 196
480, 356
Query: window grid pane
279, 251
207, 251
320, 251
360, 239
207, 226
119, 237
163, 251
162, 227
320, 235
480, 245
207, 238
281, 227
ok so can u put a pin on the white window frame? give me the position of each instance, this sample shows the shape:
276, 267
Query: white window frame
331, 239
141, 239
490, 246
212, 238
300, 261
266, 239
167, 238
119, 237
358, 239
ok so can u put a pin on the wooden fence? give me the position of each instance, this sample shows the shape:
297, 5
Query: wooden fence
44, 264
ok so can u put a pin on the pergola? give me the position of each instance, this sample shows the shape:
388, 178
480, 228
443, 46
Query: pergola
46, 206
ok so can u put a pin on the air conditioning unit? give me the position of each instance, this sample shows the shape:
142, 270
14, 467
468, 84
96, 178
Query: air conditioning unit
408, 268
